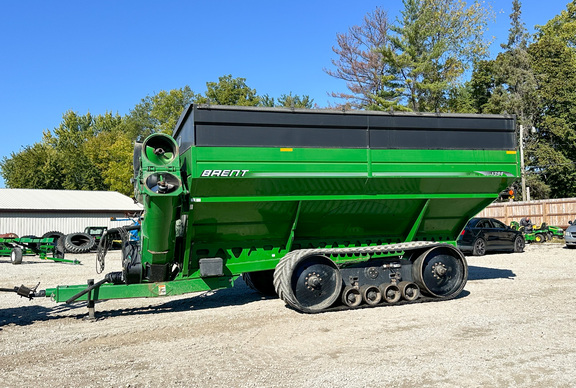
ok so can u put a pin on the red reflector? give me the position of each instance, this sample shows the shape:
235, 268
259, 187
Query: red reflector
462, 234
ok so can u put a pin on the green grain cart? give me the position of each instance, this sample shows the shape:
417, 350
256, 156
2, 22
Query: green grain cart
327, 209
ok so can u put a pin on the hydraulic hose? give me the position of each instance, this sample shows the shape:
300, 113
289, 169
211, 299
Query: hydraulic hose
106, 242
109, 278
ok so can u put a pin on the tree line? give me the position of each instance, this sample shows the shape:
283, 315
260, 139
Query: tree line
433, 58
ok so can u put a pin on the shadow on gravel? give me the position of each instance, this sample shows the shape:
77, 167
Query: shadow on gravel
239, 295
481, 273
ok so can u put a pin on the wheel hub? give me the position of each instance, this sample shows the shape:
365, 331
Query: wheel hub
313, 281
439, 270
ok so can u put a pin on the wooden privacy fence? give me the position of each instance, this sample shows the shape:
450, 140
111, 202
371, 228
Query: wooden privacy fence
555, 212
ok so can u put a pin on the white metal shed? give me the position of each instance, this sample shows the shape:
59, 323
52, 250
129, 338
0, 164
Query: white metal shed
35, 212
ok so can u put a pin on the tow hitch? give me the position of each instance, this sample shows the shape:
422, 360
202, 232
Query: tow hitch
26, 292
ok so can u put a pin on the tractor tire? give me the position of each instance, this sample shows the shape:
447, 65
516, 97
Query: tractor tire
16, 256
540, 238
79, 242
32, 246
59, 238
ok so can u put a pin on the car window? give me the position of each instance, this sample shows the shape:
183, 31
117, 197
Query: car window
498, 224
483, 224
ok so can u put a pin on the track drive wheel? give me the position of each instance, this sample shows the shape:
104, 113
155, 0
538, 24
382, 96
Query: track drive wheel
308, 282
441, 271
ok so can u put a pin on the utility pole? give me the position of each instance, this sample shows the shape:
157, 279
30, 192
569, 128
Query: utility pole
525, 196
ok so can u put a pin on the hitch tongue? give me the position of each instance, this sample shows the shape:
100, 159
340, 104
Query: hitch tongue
29, 292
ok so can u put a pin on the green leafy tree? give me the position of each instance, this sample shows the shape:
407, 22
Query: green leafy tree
416, 63
482, 86
69, 141
508, 83
34, 167
111, 151
460, 99
159, 113
553, 150
287, 101
514, 88
431, 47
229, 91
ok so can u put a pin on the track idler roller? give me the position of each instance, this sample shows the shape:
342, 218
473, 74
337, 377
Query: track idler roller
441, 272
351, 296
409, 291
390, 292
371, 294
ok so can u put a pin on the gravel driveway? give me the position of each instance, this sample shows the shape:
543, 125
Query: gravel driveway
514, 325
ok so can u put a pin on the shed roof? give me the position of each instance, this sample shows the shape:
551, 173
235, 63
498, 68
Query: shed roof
66, 200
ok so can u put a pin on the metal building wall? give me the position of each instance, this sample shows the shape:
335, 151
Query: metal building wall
32, 223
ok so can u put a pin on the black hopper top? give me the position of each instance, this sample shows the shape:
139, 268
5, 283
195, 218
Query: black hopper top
233, 126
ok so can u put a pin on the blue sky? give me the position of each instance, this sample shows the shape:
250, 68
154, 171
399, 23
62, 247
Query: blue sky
99, 56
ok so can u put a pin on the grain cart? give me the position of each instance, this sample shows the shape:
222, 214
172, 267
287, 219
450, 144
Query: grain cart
328, 209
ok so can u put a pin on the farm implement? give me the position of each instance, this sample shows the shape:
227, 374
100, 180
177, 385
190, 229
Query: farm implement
326, 209
44, 248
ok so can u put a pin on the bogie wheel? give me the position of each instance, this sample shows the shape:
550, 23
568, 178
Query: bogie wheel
371, 294
308, 282
390, 292
441, 271
479, 248
519, 244
16, 256
261, 281
351, 296
410, 291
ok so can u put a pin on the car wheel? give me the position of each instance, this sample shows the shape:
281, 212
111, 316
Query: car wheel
479, 247
519, 244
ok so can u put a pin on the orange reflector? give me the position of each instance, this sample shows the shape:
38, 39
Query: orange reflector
285, 149
511, 152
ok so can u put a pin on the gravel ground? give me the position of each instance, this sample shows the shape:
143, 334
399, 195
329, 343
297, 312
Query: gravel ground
512, 326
